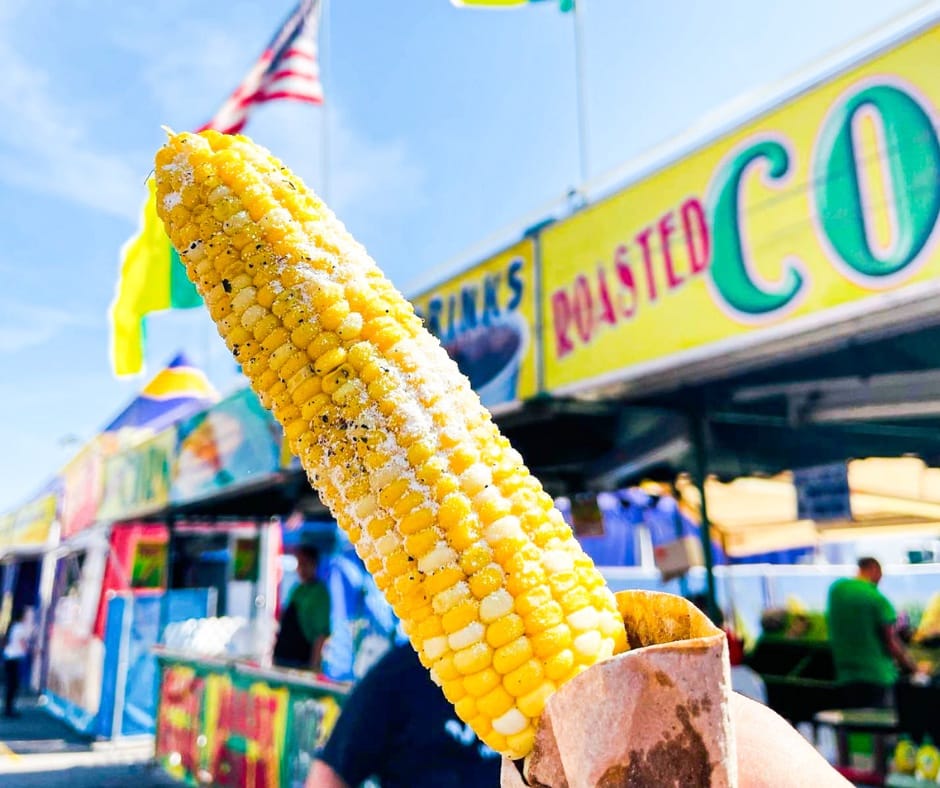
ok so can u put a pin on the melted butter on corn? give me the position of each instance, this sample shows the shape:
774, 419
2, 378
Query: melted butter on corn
496, 595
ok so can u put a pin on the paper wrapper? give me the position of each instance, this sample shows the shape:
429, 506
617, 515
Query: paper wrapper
657, 715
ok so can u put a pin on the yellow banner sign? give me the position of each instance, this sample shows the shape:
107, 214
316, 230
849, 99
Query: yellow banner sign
793, 222
137, 479
484, 318
32, 522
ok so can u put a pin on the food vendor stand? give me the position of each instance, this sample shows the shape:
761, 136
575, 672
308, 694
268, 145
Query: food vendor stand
224, 713
230, 723
28, 536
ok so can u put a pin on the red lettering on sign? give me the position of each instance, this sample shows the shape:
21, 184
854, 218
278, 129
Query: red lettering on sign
695, 228
561, 320
667, 254
583, 308
643, 241
627, 294
666, 229
607, 307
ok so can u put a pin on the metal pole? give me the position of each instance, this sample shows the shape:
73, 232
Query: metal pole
677, 522
325, 66
580, 90
699, 430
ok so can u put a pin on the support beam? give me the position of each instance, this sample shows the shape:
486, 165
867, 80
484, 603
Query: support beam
698, 423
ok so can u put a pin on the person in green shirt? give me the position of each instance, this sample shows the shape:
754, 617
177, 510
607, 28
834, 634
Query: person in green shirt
865, 647
305, 622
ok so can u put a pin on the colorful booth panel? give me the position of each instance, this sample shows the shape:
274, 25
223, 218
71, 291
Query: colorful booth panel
221, 724
485, 318
81, 489
234, 441
137, 479
32, 523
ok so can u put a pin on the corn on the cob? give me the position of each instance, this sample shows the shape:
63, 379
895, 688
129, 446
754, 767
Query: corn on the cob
494, 592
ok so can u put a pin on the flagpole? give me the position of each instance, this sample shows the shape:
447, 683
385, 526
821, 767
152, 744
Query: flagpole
325, 66
580, 85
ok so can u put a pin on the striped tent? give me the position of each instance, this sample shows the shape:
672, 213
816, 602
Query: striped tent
177, 391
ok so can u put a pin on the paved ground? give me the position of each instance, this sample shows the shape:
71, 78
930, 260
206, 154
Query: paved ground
102, 776
38, 750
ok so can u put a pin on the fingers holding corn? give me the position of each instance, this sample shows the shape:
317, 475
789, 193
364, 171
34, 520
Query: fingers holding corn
493, 590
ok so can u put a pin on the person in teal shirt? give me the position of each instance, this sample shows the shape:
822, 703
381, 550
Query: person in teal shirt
865, 647
305, 623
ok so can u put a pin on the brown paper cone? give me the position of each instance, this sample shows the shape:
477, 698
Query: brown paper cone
657, 715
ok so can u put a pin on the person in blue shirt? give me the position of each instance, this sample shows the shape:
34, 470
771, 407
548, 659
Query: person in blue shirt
397, 726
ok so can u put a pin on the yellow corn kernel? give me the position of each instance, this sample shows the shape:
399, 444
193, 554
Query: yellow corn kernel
430, 627
495, 703
408, 503
337, 378
550, 641
454, 509
446, 670
420, 544
499, 743
330, 360
466, 708
504, 630
544, 617
524, 679
479, 684
512, 655
465, 534
533, 599
473, 659
393, 492
453, 690
486, 581
476, 557
306, 391
350, 326
559, 665
531, 703
442, 579
460, 615
416, 520
520, 742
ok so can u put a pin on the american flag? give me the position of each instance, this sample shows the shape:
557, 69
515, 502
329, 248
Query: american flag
287, 69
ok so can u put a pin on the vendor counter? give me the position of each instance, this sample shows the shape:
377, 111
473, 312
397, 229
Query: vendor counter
228, 723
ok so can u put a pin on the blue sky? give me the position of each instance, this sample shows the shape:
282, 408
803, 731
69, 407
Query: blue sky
447, 127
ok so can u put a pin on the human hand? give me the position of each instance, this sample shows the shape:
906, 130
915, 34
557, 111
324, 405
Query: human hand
773, 754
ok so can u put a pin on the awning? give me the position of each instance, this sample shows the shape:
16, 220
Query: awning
177, 391
753, 515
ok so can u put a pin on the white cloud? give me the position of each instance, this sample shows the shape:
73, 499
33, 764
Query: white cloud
28, 325
370, 180
187, 82
45, 147
192, 56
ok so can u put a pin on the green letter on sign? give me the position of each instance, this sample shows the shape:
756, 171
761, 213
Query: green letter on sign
912, 157
731, 268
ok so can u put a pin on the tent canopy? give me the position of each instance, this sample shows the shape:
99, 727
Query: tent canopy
755, 515
178, 390
827, 403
